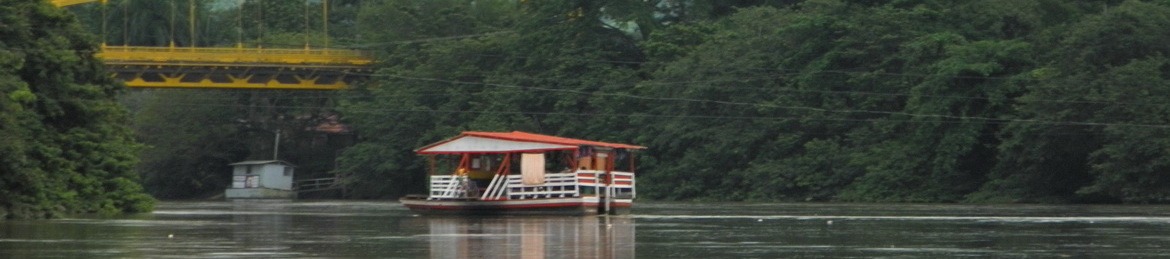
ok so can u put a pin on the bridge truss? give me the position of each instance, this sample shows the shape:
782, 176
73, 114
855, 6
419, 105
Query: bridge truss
250, 68
238, 68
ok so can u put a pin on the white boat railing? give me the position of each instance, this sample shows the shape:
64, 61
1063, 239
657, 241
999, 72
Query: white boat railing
495, 189
448, 186
623, 185
556, 185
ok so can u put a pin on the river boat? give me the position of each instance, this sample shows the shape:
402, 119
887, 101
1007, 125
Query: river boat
526, 173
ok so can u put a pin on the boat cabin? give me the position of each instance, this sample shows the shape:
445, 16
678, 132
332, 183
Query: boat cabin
525, 173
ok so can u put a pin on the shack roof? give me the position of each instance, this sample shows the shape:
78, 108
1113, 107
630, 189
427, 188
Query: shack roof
510, 142
261, 162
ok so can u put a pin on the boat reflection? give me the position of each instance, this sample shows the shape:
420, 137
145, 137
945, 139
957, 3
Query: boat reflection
530, 237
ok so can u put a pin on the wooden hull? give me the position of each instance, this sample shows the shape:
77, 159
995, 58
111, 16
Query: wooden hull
549, 206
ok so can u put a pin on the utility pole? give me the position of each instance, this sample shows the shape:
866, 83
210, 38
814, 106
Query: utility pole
276, 146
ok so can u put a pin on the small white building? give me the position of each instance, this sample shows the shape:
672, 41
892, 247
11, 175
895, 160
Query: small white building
261, 179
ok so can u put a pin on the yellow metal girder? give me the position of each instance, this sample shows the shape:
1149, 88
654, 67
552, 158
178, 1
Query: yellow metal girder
237, 77
175, 82
236, 68
317, 57
73, 2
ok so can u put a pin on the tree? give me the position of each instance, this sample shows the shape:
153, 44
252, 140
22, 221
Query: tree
190, 137
68, 149
817, 100
1099, 101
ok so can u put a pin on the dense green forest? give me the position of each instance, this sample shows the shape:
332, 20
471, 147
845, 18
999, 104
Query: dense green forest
818, 100
65, 147
747, 100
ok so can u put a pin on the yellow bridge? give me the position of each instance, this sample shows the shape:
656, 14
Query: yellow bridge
242, 68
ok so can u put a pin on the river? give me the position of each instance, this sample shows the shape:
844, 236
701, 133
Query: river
348, 229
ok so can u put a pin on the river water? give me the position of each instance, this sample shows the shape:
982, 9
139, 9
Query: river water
346, 229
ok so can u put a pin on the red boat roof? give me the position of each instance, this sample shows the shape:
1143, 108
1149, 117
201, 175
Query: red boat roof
507, 142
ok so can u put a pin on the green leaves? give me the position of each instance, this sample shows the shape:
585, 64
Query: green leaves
820, 100
66, 147
1085, 111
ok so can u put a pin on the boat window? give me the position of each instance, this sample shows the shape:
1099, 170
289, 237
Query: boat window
623, 160
482, 162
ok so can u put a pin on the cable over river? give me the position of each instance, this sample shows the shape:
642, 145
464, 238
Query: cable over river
348, 229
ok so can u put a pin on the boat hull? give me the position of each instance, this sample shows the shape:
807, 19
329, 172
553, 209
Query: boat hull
550, 206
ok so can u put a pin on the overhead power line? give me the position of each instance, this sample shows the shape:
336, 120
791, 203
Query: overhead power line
941, 118
802, 108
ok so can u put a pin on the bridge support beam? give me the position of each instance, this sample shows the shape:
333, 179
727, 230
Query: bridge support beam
237, 77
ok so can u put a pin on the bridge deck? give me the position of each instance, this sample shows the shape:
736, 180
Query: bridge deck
239, 56
73, 2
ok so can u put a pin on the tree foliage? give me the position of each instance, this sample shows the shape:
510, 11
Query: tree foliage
787, 100
816, 100
66, 147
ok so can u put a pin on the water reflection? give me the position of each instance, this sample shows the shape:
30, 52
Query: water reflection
349, 229
530, 237
263, 234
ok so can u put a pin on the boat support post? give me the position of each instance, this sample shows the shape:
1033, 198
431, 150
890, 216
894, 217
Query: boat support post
608, 192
